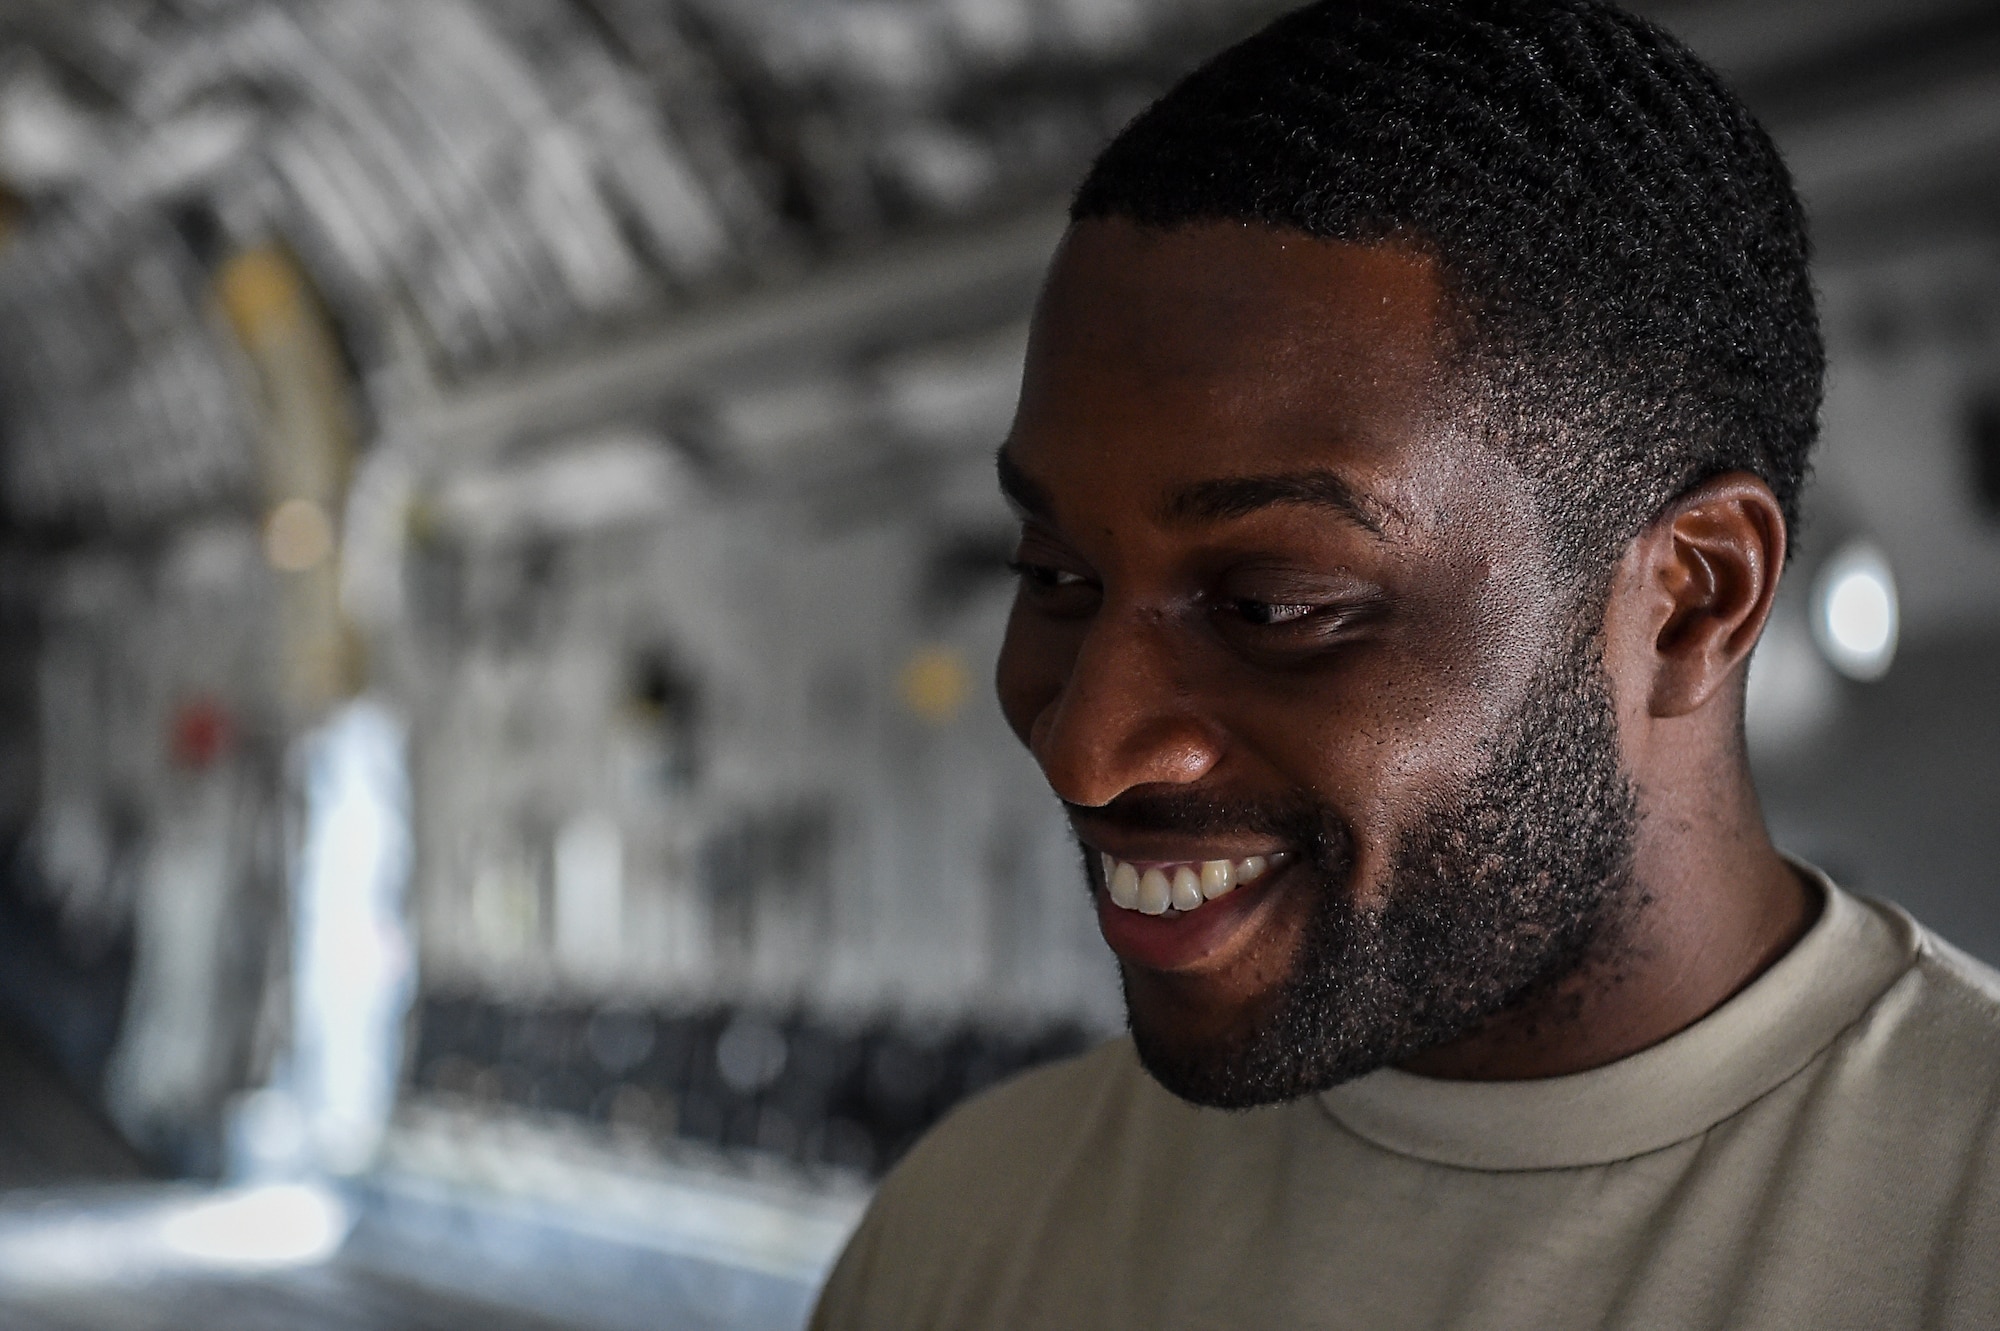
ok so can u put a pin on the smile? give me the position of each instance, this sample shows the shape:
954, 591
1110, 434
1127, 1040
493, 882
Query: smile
1178, 888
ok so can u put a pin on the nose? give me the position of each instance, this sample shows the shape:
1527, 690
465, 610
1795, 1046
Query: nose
1122, 717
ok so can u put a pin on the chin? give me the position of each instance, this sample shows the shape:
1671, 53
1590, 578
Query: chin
1239, 1075
1241, 1059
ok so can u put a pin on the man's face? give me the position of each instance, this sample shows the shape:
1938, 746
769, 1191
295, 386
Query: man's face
1281, 607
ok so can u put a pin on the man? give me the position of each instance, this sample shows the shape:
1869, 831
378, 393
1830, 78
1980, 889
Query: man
1412, 433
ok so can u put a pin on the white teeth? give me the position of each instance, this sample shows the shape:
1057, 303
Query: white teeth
1124, 887
1180, 887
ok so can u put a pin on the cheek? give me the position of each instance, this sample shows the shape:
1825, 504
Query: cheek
1457, 676
1363, 741
1390, 734
1034, 661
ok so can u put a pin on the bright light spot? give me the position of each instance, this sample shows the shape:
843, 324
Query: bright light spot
1854, 616
142, 1233
275, 1226
351, 957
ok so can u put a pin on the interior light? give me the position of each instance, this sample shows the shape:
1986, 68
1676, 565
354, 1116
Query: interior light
279, 1225
143, 1233
1854, 611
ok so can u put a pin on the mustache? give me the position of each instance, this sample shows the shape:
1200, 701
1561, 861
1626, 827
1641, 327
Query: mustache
1316, 829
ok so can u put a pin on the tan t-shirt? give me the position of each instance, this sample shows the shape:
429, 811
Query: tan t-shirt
1823, 1151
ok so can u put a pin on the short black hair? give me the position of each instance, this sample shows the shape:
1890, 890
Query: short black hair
1618, 231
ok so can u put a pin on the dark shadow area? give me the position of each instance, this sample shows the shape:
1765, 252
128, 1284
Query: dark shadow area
50, 1133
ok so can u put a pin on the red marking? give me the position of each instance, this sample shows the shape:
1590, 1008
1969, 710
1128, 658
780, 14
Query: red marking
201, 732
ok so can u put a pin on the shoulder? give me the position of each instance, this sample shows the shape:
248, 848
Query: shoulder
1919, 1130
1957, 999
1928, 1049
1965, 977
1943, 994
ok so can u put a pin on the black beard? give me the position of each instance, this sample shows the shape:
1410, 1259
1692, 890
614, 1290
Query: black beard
1495, 896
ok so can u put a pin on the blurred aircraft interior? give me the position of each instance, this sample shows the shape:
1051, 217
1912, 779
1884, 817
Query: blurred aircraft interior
502, 819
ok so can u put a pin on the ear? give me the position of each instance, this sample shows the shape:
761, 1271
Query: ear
1707, 569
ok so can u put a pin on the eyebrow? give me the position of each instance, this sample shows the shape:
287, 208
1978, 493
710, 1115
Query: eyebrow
1218, 500
1239, 496
1029, 496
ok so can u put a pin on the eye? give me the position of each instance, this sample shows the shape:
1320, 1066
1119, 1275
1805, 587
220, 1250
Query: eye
1286, 615
1055, 591
1046, 577
1264, 613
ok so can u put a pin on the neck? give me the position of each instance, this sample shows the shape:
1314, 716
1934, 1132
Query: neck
1711, 904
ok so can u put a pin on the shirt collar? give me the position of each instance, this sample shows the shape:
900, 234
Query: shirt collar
1661, 1095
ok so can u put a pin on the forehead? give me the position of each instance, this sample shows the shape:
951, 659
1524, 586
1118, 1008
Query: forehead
1233, 348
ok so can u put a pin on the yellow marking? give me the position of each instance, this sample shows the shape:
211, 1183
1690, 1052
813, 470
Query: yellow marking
935, 683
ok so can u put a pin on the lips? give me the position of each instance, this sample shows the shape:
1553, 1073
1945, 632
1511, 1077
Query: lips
1176, 914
